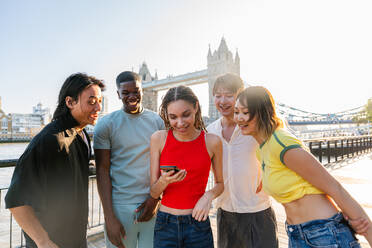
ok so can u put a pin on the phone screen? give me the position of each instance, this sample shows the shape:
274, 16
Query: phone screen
169, 167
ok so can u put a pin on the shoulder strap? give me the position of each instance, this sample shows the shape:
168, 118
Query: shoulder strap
168, 139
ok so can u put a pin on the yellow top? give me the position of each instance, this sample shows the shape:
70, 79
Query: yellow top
282, 183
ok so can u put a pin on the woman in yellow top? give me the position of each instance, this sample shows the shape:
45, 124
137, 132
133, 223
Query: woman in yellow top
293, 177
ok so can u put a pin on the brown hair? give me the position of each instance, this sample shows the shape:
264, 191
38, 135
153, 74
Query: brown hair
230, 82
260, 103
181, 93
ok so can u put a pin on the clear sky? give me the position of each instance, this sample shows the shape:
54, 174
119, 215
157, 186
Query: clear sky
314, 55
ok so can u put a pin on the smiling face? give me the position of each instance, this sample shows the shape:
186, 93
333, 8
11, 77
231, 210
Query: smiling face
130, 94
224, 99
181, 115
241, 117
86, 108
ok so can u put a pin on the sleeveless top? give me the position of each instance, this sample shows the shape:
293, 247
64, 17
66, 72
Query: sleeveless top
282, 183
194, 158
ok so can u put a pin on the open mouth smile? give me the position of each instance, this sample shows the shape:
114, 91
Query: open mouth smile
225, 107
132, 103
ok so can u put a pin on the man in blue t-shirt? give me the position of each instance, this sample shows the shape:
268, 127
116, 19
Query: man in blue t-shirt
122, 151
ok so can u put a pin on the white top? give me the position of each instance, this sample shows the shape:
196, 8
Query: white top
241, 173
82, 134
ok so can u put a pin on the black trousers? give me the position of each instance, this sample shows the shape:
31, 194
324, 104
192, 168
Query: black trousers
247, 230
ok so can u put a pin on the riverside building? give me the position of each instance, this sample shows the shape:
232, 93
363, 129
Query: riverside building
16, 126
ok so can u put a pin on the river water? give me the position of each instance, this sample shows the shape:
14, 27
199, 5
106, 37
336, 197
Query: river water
9, 151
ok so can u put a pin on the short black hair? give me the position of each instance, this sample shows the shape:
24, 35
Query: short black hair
73, 86
127, 76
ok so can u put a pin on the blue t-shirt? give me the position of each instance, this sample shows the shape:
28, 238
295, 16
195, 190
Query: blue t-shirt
128, 138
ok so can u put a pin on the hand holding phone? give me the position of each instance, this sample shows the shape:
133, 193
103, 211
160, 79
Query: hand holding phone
171, 174
167, 168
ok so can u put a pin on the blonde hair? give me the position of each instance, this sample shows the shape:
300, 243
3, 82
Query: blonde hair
260, 103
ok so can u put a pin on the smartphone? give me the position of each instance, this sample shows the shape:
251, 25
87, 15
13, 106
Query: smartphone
167, 168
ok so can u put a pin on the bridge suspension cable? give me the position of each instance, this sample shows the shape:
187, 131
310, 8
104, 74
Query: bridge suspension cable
293, 114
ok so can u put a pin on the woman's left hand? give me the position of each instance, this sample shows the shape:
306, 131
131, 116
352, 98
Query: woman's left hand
202, 207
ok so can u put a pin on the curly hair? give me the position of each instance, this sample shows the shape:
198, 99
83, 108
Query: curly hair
181, 93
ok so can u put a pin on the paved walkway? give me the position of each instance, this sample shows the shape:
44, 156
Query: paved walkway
354, 174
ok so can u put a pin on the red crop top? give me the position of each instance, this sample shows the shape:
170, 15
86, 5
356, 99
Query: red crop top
194, 158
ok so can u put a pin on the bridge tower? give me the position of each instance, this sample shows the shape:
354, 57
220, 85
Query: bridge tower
150, 95
221, 61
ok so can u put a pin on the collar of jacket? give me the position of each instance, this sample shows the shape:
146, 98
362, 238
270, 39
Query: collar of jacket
68, 123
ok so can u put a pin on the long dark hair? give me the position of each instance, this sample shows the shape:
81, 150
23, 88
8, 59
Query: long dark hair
73, 86
181, 93
260, 103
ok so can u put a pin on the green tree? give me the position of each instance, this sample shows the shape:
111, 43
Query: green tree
369, 110
364, 115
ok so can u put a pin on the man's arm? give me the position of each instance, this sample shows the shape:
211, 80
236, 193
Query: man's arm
115, 230
27, 220
148, 209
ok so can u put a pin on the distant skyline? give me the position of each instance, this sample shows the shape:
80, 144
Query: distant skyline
312, 55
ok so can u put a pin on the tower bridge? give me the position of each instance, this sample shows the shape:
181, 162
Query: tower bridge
222, 61
197, 77
219, 62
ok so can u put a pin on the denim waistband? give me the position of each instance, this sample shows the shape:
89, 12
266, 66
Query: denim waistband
170, 218
299, 228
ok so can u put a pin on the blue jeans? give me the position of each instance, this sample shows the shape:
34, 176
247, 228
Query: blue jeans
325, 233
181, 231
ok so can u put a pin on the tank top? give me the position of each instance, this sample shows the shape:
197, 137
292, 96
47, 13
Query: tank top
194, 158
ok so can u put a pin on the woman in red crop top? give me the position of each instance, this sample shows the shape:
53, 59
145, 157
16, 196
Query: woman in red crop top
182, 220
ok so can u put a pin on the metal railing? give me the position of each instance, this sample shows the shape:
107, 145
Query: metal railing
329, 150
15, 238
